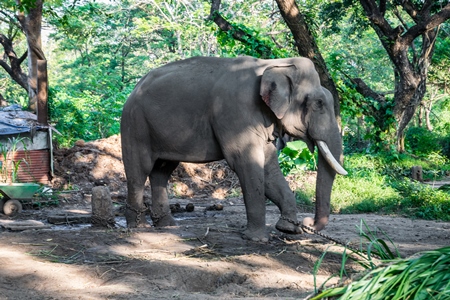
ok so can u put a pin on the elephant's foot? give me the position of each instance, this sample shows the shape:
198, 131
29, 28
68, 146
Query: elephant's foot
163, 220
136, 219
287, 226
259, 235
317, 226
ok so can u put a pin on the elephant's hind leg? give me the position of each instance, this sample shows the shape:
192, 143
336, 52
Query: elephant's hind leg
138, 165
135, 209
160, 211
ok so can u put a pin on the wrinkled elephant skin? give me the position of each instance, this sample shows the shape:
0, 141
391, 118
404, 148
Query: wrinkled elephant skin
204, 109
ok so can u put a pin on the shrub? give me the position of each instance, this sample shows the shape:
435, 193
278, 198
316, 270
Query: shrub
420, 140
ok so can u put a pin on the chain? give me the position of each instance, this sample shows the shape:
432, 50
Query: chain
138, 212
310, 230
155, 217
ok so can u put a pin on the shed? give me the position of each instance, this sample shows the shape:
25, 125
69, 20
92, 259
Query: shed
25, 147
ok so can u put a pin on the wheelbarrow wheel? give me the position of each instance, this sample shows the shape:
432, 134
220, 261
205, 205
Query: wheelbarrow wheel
12, 207
2, 203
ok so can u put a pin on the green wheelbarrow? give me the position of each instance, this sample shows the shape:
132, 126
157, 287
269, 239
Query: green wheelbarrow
13, 194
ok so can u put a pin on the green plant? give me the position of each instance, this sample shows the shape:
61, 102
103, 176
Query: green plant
423, 201
9, 168
296, 157
376, 247
363, 191
420, 140
422, 277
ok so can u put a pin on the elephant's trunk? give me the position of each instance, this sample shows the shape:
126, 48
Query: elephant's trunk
328, 166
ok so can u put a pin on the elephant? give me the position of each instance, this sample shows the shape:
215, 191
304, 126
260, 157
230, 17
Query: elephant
205, 109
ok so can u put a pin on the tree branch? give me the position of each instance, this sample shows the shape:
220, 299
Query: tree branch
14, 70
427, 24
410, 9
376, 18
237, 33
362, 88
23, 57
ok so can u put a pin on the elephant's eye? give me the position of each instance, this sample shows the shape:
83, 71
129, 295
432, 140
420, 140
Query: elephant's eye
318, 105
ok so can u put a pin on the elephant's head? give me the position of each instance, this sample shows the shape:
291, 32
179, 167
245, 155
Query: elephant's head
305, 110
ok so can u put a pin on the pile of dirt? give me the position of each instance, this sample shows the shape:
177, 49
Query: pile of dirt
89, 164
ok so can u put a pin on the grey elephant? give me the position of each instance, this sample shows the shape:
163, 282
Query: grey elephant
205, 109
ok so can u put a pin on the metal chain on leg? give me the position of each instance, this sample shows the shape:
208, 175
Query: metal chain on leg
156, 217
138, 212
311, 230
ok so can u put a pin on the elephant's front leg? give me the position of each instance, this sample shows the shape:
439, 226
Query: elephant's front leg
278, 191
159, 177
250, 169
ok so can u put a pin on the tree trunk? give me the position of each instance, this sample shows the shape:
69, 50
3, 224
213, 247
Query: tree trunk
307, 46
420, 116
31, 25
427, 117
42, 92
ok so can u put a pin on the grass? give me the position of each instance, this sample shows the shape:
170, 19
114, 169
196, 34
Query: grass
381, 184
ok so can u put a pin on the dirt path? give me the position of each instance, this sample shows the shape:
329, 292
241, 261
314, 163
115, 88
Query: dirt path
202, 258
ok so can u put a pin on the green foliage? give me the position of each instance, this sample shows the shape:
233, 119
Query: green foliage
267, 41
296, 157
423, 201
376, 247
105, 48
9, 168
420, 141
418, 277
256, 45
377, 184
363, 192
423, 277
85, 115
304, 197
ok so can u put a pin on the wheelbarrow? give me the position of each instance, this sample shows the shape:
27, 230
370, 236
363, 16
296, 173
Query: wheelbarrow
13, 194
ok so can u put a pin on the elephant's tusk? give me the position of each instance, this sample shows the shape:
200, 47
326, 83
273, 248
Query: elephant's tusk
330, 158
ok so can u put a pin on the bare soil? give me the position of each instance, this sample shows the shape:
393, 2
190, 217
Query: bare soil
204, 257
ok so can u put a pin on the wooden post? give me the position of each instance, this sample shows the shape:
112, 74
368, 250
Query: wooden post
42, 92
102, 208
416, 173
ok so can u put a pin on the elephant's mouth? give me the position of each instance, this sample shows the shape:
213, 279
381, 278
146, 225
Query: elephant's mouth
326, 153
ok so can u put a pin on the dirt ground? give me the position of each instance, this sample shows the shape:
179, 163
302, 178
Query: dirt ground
204, 257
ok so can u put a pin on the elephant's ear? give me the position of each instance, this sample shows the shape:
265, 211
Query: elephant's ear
276, 88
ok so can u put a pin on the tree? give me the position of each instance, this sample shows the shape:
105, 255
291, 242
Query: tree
409, 41
31, 23
11, 62
29, 16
